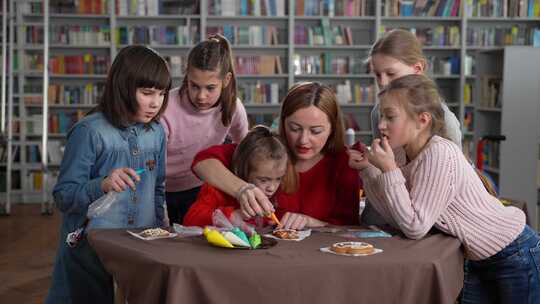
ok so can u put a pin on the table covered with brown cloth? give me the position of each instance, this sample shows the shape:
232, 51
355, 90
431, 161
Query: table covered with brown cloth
190, 270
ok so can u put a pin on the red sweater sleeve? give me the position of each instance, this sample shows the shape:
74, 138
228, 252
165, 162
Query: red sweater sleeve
209, 199
348, 183
223, 153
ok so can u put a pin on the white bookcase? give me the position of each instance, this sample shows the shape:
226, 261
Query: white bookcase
508, 104
318, 44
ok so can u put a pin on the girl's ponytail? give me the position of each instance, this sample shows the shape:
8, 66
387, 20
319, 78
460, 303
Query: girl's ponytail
228, 94
214, 54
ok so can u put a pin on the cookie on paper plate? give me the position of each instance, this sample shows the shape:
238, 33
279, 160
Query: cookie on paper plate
352, 248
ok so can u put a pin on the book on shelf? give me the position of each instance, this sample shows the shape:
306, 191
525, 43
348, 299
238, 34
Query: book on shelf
94, 35
356, 93
503, 8
328, 63
490, 91
438, 35
254, 35
333, 8
323, 35
468, 120
259, 93
79, 64
55, 152
94, 7
258, 65
86, 94
467, 94
500, 36
15, 180
247, 7
430, 8
157, 34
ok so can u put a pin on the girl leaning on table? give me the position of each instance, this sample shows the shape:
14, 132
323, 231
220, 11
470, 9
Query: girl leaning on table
201, 113
261, 160
398, 53
312, 127
103, 150
428, 183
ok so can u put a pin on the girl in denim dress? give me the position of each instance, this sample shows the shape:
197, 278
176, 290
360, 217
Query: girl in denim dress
121, 135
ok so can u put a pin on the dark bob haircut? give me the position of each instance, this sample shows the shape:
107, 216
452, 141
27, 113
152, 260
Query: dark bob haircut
134, 67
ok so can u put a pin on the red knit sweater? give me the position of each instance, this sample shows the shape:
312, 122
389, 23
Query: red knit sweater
210, 199
328, 191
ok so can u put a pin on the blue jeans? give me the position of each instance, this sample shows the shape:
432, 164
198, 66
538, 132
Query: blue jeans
510, 276
178, 203
79, 277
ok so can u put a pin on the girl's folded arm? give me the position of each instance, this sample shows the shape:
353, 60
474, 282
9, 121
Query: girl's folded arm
432, 186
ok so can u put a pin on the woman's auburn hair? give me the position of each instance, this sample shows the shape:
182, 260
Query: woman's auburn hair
306, 94
134, 67
261, 144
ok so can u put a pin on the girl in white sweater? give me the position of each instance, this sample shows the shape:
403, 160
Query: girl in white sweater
429, 183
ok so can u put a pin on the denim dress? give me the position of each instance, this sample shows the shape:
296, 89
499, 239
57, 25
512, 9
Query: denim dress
94, 148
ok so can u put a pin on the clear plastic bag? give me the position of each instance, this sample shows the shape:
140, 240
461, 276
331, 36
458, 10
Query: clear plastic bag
102, 204
220, 220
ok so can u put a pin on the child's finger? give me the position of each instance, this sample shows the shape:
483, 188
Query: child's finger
128, 181
252, 201
299, 222
376, 145
386, 144
133, 174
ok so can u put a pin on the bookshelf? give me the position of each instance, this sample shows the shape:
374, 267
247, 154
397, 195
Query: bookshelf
510, 108
275, 42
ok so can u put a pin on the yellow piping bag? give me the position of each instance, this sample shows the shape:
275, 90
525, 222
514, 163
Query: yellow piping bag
215, 238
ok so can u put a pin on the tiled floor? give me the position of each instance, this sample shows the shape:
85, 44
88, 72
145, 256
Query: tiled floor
27, 249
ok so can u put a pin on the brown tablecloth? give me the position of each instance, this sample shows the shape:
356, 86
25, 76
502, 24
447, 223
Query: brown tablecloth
189, 270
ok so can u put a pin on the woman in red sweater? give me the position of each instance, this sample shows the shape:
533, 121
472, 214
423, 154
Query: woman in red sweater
260, 159
312, 125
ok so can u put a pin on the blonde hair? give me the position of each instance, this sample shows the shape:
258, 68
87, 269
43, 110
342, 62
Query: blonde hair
418, 94
305, 94
401, 45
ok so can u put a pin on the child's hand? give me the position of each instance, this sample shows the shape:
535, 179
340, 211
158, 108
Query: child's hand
358, 160
358, 156
239, 214
381, 155
299, 221
119, 180
254, 202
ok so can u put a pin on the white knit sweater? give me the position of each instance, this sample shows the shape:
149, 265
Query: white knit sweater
440, 188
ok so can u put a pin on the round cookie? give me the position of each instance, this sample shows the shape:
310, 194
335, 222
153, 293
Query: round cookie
352, 248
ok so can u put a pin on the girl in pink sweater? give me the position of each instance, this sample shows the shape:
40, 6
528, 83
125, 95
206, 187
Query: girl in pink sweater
418, 179
201, 113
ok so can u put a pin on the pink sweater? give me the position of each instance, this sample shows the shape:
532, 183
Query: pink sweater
189, 131
440, 188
